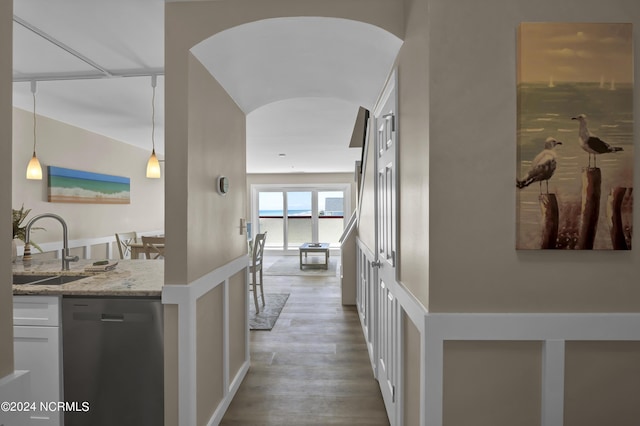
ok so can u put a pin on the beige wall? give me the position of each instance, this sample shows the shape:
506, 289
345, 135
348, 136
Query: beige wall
492, 383
62, 145
237, 322
216, 148
602, 381
6, 301
413, 146
204, 138
210, 386
474, 266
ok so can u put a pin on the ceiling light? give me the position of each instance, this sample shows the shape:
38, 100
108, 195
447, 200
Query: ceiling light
282, 155
34, 170
153, 165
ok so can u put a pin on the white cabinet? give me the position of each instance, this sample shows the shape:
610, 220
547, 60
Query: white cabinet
37, 348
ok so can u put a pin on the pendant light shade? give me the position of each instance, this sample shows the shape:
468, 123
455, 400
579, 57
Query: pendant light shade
34, 169
153, 165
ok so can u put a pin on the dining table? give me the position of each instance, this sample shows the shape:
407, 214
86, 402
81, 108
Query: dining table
137, 249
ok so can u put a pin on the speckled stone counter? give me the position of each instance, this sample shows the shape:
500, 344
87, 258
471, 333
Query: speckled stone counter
130, 278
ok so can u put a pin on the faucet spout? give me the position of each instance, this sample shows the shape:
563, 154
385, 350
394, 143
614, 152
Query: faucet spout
66, 258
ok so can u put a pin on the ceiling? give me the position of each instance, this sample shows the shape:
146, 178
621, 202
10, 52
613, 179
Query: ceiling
300, 80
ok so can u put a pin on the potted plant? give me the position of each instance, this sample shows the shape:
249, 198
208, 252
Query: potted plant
20, 230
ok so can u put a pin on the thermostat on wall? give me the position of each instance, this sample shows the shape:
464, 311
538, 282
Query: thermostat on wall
223, 185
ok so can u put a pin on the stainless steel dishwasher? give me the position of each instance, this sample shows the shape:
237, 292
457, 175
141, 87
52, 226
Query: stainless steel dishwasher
113, 359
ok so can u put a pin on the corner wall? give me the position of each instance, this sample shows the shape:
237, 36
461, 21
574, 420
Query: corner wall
6, 78
205, 138
414, 146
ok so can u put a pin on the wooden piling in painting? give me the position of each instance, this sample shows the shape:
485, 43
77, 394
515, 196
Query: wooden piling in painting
591, 182
614, 218
627, 217
550, 220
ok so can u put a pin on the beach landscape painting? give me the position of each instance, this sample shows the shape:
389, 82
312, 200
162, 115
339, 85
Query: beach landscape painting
76, 186
574, 175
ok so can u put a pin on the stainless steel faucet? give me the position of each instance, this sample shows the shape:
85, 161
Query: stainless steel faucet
66, 258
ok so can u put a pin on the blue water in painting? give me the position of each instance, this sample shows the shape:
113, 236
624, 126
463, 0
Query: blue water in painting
545, 111
76, 183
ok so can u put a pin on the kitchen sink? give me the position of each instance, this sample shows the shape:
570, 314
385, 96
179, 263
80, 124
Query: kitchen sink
49, 279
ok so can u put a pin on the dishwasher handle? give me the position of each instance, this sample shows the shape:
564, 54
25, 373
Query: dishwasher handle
112, 317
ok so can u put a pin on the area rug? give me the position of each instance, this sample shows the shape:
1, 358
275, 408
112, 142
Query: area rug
269, 313
290, 265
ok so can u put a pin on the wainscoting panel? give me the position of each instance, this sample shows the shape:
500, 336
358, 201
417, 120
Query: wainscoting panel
385, 341
186, 297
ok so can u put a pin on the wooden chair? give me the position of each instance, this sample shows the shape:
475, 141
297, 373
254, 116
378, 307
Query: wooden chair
153, 247
255, 269
124, 239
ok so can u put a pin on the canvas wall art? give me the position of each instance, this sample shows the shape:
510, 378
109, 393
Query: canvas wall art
76, 186
574, 170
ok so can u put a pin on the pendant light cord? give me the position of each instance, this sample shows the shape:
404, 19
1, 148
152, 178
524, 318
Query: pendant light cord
153, 113
34, 122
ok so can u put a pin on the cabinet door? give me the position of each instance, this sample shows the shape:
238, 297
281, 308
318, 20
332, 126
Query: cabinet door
37, 349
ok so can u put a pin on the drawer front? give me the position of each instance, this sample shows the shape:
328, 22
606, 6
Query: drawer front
36, 310
37, 349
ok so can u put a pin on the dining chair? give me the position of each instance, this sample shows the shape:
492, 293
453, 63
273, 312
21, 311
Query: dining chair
153, 247
255, 269
124, 239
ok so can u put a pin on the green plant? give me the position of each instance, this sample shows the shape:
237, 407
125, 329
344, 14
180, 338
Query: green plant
20, 231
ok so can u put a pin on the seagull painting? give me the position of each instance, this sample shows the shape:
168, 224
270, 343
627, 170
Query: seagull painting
542, 167
591, 143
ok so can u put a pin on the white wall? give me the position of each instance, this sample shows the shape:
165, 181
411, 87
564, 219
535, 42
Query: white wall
62, 145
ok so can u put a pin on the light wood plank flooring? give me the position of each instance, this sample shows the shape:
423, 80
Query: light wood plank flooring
312, 368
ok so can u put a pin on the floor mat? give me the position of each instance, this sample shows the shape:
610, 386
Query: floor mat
269, 313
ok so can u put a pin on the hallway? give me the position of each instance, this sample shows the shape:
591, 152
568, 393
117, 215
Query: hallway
312, 368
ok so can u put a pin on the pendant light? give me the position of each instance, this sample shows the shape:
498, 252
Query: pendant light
153, 165
34, 170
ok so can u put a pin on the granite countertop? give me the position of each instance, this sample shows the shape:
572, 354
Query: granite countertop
131, 278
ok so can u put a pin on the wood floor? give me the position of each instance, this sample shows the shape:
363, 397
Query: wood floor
312, 368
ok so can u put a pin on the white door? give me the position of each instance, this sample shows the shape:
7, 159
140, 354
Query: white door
389, 326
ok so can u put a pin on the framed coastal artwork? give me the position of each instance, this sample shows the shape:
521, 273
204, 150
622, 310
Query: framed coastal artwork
574, 169
76, 186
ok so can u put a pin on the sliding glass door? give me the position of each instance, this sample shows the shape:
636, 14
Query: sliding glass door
299, 223
330, 216
294, 216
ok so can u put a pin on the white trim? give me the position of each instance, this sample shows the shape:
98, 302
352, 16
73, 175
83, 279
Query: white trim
85, 244
552, 404
389, 86
186, 297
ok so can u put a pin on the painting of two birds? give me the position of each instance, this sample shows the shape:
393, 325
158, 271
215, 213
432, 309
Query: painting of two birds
575, 136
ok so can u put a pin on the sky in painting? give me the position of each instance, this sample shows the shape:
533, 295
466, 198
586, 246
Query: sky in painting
575, 52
